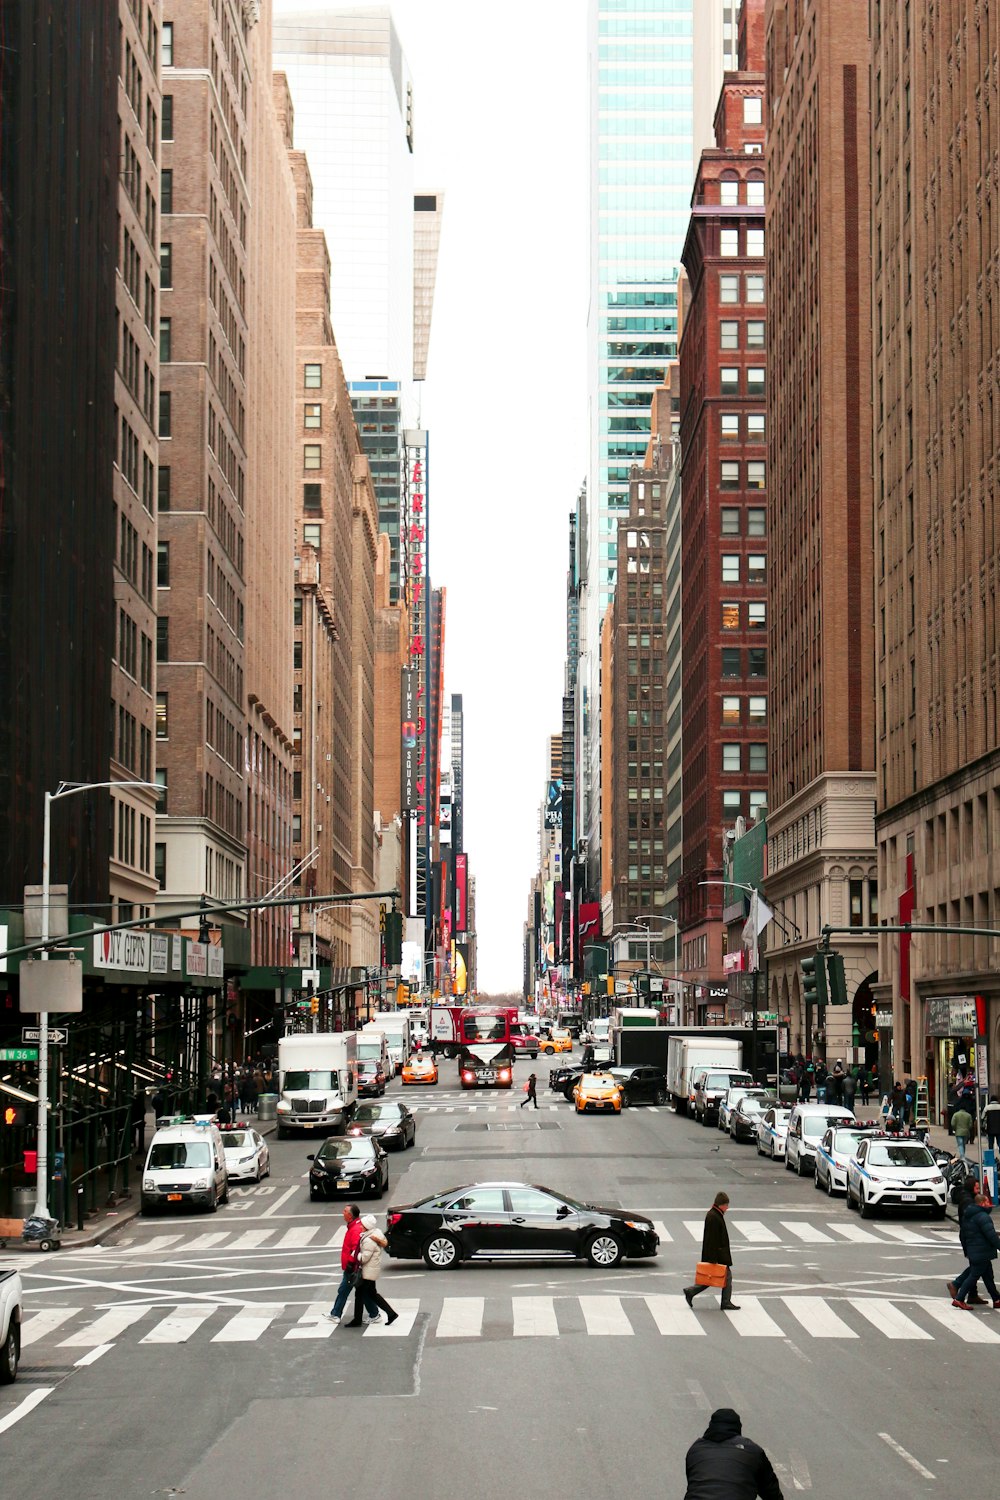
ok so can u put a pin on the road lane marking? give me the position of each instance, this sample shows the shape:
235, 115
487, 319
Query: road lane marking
695, 1228
673, 1316
605, 1316
156, 1244
105, 1329
968, 1327
909, 1236
888, 1318
294, 1239
406, 1317
39, 1324
206, 1241
179, 1325
756, 1232
856, 1234
251, 1239
338, 1238
662, 1231
807, 1232
270, 1212
753, 1322
461, 1318
248, 1325
313, 1324
818, 1318
534, 1318
907, 1458
93, 1356
24, 1407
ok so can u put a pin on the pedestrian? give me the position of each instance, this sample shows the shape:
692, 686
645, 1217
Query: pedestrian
966, 1194
864, 1080
530, 1094
715, 1250
350, 1266
724, 1463
909, 1101
991, 1122
897, 1101
961, 1124
820, 1077
366, 1294
981, 1246
848, 1087
835, 1083
805, 1082
248, 1089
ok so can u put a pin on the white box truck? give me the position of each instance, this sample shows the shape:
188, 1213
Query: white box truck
395, 1027
687, 1056
318, 1082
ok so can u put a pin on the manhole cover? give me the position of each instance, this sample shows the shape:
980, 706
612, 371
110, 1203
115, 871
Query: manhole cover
473, 1125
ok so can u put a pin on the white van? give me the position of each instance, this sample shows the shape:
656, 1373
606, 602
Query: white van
185, 1164
807, 1125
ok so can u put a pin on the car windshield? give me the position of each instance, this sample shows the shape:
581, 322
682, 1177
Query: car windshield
847, 1140
323, 1080
598, 1081
880, 1155
233, 1138
370, 1050
484, 1028
814, 1127
338, 1150
367, 1114
753, 1106
172, 1154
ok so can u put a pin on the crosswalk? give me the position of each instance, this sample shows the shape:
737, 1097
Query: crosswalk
744, 1232
843, 1319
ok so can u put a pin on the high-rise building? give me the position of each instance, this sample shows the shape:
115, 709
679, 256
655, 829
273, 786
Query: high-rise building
724, 502
364, 548
821, 704
378, 412
457, 773
936, 308
428, 209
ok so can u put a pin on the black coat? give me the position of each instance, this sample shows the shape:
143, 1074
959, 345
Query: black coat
715, 1241
979, 1237
732, 1468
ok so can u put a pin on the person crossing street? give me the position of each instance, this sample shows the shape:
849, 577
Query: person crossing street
530, 1091
715, 1250
349, 1264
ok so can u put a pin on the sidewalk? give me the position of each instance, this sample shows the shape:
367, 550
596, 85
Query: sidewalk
107, 1220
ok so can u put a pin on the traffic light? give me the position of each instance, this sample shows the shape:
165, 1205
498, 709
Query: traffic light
314, 1005
14, 1115
402, 994
393, 938
814, 979
835, 979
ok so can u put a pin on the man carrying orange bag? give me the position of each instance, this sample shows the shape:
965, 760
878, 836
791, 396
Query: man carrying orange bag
716, 1265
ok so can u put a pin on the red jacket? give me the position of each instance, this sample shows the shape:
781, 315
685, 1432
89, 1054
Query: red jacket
349, 1249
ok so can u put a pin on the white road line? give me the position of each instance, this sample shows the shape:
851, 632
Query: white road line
695, 1228
605, 1316
24, 1407
206, 1241
906, 1457
153, 1246
909, 1236
662, 1231
270, 1212
39, 1324
818, 1318
461, 1318
534, 1318
968, 1327
248, 1325
313, 1323
338, 1238
179, 1325
756, 1232
93, 1356
888, 1318
407, 1314
673, 1316
250, 1239
807, 1232
104, 1330
753, 1322
296, 1238
856, 1234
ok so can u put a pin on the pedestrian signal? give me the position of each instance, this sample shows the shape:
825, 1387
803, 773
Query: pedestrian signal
14, 1114
393, 938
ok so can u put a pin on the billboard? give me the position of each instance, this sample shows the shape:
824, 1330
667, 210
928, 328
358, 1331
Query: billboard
460, 967
553, 805
461, 892
410, 733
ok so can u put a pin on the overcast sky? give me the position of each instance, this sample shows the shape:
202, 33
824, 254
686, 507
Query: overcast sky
500, 109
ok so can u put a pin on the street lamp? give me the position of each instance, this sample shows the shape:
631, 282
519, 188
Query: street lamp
64, 789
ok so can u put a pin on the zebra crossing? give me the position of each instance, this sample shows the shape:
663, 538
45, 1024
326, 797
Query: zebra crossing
847, 1319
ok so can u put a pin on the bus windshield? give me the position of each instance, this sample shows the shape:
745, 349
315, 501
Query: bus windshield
485, 1026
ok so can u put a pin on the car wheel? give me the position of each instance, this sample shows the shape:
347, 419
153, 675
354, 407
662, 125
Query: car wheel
800, 1165
568, 1095
867, 1212
849, 1197
225, 1196
788, 1162
213, 1206
829, 1184
9, 1359
441, 1252
816, 1182
605, 1250
626, 1100
773, 1157
758, 1147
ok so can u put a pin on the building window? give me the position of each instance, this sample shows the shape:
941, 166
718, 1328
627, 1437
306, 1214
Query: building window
165, 415
857, 888
757, 615
758, 710
312, 456
758, 758
166, 264
161, 782
755, 244
729, 243
166, 192
165, 341
756, 424
755, 333
758, 803
162, 638
314, 377
167, 118
873, 901
757, 521
167, 45
755, 192
732, 664
731, 710
729, 475
732, 805
730, 616
729, 192
729, 422
729, 289
313, 415
729, 381
163, 565
297, 656
730, 520
756, 567
160, 864
753, 111
729, 334
731, 567
732, 758
755, 288
296, 828
758, 661
311, 535
312, 497
297, 610
756, 474
162, 719
755, 382
163, 487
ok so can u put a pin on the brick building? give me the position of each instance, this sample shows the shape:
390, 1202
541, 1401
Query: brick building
723, 503
821, 836
936, 308
364, 547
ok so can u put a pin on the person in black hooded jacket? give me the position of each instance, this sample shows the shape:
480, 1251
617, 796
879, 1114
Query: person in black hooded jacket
725, 1465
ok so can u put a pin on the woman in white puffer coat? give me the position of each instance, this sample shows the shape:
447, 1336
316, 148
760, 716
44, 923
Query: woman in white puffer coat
367, 1295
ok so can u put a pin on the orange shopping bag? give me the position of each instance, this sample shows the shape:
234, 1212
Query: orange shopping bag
707, 1274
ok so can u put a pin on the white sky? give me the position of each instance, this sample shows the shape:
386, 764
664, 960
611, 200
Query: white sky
500, 120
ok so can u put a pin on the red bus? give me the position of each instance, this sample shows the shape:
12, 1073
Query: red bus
484, 1023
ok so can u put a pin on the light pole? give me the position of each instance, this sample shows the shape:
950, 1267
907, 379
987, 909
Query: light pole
64, 789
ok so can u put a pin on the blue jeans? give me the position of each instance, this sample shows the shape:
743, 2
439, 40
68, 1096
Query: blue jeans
344, 1291
961, 1144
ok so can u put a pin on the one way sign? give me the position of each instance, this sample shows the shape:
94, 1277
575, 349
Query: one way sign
58, 1035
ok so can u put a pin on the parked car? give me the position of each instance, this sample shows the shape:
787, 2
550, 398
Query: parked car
833, 1154
10, 1325
508, 1220
731, 1098
888, 1171
246, 1154
745, 1117
807, 1125
772, 1132
640, 1085
708, 1088
390, 1123
355, 1164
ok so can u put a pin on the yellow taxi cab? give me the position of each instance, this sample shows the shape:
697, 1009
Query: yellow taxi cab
560, 1041
420, 1068
598, 1091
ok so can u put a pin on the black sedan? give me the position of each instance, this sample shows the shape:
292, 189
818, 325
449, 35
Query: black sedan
745, 1117
515, 1221
354, 1164
391, 1124
640, 1085
563, 1080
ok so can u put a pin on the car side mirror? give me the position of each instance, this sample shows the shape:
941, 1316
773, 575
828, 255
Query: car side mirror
563, 1211
311, 1157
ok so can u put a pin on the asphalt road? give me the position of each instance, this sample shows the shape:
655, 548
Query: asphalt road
188, 1355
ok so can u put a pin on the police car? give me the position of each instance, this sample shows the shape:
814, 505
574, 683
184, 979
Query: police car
833, 1153
894, 1171
772, 1132
246, 1153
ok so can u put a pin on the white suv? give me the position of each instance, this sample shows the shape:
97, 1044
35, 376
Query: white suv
807, 1125
892, 1170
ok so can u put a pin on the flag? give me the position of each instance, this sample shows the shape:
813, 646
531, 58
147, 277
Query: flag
760, 915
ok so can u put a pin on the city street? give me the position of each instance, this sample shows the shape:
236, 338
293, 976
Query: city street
188, 1354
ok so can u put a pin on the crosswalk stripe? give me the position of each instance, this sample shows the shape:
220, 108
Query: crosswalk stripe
754, 1323
104, 1330
907, 1236
312, 1324
534, 1317
251, 1239
808, 1233
178, 1327
856, 1234
339, 1237
888, 1318
42, 1323
695, 1228
968, 1327
673, 1316
662, 1231
156, 1244
818, 1318
756, 1232
461, 1318
406, 1317
295, 1239
605, 1315
206, 1241
248, 1325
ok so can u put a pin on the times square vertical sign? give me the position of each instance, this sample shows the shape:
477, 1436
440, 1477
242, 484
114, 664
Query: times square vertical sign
416, 676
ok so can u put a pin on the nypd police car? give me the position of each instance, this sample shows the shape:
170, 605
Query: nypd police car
772, 1132
894, 1171
833, 1153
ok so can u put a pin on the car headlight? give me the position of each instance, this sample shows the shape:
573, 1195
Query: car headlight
200, 1182
637, 1224
391, 1130
936, 1181
245, 1159
283, 1107
149, 1184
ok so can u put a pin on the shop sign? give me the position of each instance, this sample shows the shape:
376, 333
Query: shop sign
982, 1070
159, 950
951, 1015
128, 951
216, 962
176, 952
732, 963
883, 1020
197, 959
718, 992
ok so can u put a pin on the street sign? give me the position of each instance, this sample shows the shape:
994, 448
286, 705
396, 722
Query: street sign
18, 1054
58, 1035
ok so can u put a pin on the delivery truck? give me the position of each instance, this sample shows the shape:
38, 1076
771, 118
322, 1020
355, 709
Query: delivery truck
395, 1027
693, 1053
318, 1082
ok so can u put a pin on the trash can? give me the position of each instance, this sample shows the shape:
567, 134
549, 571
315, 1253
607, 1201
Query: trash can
267, 1106
24, 1202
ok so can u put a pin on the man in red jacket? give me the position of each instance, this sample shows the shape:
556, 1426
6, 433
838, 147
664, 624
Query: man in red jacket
348, 1259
